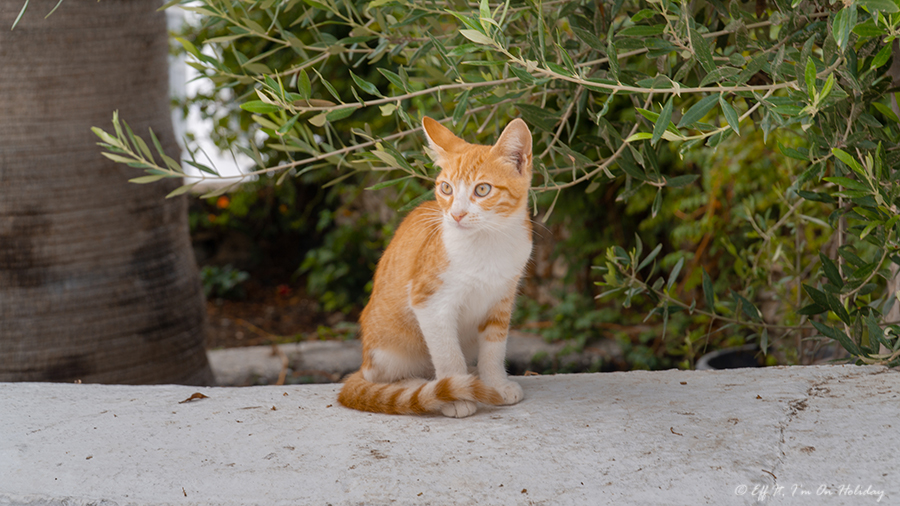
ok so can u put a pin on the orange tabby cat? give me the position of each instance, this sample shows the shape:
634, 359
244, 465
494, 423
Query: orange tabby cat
444, 289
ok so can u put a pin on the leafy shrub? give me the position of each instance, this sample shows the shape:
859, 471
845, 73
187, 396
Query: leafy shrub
223, 282
616, 94
340, 270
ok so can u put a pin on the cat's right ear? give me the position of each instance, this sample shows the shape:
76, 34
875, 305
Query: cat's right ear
440, 140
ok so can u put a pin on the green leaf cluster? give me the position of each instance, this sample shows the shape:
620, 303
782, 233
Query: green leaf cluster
616, 93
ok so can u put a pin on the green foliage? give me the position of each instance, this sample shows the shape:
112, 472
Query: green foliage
343, 331
261, 211
574, 318
340, 270
223, 282
353, 234
25, 7
617, 94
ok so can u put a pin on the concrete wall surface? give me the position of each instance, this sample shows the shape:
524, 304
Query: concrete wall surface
824, 435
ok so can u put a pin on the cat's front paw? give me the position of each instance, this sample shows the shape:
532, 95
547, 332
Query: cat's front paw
459, 409
510, 391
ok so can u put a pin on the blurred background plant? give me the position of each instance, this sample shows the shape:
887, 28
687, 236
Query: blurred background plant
223, 282
751, 146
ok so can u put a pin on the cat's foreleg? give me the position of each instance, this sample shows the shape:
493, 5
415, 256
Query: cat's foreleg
492, 335
439, 328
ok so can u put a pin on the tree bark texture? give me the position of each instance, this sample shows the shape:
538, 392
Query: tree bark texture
893, 284
97, 277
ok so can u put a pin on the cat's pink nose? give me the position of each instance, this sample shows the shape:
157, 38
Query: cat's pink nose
460, 216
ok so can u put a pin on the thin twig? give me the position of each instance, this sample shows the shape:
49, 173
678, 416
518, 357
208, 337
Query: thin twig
562, 122
615, 156
350, 149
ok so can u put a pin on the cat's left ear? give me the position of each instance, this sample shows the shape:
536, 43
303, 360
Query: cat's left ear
514, 144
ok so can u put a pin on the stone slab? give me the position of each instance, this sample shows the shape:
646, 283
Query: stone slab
320, 361
823, 435
329, 361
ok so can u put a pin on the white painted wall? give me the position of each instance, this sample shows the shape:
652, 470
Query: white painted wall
183, 82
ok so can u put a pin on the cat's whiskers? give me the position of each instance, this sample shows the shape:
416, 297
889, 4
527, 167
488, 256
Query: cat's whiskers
432, 222
507, 230
537, 223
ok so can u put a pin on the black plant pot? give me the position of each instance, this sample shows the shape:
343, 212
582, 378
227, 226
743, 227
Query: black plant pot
731, 358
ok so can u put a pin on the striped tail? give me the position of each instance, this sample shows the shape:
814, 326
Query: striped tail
413, 396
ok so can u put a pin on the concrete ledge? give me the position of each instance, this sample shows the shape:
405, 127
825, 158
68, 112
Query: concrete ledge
329, 361
671, 437
313, 361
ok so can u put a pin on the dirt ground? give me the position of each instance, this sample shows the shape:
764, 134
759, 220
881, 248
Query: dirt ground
270, 314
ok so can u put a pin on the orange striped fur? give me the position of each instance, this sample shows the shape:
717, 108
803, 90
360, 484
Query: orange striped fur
445, 287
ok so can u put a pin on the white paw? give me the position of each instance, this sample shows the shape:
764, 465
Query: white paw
459, 409
510, 391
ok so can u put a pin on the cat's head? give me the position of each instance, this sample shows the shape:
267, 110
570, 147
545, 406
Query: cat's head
479, 184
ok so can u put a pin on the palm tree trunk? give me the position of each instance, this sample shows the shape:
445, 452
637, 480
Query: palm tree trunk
893, 284
97, 276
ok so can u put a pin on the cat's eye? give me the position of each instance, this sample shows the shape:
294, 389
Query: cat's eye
482, 190
446, 189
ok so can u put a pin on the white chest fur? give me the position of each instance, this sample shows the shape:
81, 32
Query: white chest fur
483, 267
